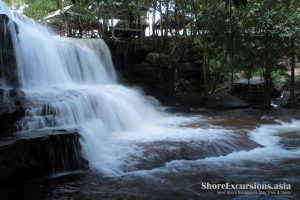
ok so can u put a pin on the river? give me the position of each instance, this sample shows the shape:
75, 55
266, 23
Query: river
137, 149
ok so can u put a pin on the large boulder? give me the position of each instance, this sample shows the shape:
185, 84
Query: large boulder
255, 80
188, 100
282, 83
283, 100
223, 100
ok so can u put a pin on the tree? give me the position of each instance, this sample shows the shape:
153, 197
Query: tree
289, 30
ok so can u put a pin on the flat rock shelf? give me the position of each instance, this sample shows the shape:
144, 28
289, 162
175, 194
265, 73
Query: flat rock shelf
40, 153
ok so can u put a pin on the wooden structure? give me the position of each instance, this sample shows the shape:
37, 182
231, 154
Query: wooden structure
256, 95
253, 91
71, 22
125, 29
119, 24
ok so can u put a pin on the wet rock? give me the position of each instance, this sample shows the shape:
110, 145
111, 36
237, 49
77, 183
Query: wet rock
156, 154
8, 66
8, 119
153, 58
223, 100
189, 100
283, 100
42, 153
12, 109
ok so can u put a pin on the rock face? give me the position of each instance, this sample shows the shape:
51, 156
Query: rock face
8, 68
223, 100
161, 72
40, 154
11, 100
12, 109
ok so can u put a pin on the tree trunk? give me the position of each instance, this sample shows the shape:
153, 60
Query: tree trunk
176, 20
167, 20
267, 76
232, 58
205, 64
160, 20
154, 19
184, 27
293, 64
194, 25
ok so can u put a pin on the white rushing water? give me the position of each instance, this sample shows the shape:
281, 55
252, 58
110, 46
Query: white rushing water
77, 82
280, 148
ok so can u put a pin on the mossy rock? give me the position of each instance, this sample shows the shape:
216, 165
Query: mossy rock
153, 58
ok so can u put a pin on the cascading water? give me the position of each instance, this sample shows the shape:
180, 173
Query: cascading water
78, 86
72, 84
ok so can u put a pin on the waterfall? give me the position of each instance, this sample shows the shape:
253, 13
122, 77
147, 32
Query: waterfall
73, 84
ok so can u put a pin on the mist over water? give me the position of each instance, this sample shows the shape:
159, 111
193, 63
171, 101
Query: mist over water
72, 83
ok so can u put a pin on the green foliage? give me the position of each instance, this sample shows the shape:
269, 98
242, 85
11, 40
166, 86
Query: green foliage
250, 40
39, 9
7, 2
107, 8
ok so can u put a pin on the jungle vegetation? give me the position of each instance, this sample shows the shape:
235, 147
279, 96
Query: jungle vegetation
252, 36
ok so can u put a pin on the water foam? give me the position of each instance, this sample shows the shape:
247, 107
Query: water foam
73, 84
272, 151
